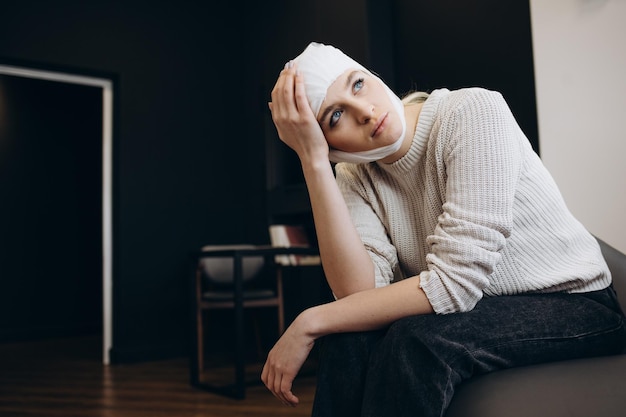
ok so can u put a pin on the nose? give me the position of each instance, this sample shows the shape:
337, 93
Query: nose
364, 111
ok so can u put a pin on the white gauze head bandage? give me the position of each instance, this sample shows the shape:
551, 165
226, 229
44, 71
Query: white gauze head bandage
321, 65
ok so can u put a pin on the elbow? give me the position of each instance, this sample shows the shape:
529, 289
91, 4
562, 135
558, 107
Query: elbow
352, 282
449, 296
354, 286
341, 292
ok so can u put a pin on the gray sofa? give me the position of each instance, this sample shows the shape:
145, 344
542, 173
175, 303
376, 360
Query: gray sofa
593, 387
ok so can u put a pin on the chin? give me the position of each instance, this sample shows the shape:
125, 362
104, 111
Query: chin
394, 136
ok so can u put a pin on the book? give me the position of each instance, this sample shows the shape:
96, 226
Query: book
289, 236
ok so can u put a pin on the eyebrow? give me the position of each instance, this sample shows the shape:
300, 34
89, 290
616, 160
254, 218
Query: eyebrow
347, 85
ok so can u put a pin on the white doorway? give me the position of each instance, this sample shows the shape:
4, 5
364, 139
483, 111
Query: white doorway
107, 182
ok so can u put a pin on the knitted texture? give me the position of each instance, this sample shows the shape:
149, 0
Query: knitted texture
471, 209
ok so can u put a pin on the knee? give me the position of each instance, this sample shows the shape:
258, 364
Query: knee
414, 339
351, 344
346, 355
409, 330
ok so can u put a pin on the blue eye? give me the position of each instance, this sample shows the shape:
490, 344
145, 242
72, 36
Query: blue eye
334, 117
358, 84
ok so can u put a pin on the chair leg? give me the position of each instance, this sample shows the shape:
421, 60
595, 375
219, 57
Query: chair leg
199, 328
259, 340
200, 345
240, 384
281, 305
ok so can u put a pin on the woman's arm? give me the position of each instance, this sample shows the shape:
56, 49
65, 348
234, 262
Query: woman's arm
362, 311
347, 265
482, 160
367, 310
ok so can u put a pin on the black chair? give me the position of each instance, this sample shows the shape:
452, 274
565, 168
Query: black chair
223, 278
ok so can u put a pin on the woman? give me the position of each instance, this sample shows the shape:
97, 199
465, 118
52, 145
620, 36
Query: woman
445, 241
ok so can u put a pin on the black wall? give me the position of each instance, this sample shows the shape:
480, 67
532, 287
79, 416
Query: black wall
189, 167
472, 43
193, 133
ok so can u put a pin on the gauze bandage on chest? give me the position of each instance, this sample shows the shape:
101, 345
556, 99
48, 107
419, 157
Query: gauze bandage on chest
320, 66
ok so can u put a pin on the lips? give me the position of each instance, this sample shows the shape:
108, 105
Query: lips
380, 124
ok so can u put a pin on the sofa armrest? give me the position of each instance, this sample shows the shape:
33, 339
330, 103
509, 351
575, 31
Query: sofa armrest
616, 261
574, 388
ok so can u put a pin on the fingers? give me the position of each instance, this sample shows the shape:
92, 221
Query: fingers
293, 118
283, 105
302, 102
287, 395
283, 101
284, 84
279, 385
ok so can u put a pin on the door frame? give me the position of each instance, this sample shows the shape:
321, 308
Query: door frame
107, 85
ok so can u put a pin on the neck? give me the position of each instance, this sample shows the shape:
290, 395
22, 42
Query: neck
411, 113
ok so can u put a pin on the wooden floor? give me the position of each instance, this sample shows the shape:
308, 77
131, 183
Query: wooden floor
65, 378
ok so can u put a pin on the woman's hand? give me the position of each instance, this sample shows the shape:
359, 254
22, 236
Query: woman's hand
294, 120
285, 360
362, 311
347, 265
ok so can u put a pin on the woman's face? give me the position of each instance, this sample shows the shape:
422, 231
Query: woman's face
358, 115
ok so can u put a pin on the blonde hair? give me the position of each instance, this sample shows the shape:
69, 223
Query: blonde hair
415, 97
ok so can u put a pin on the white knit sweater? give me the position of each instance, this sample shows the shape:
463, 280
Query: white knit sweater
471, 209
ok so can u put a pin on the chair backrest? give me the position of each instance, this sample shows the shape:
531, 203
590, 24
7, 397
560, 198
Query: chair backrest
616, 261
220, 270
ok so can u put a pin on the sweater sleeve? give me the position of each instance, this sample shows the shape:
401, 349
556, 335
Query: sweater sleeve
478, 161
369, 226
